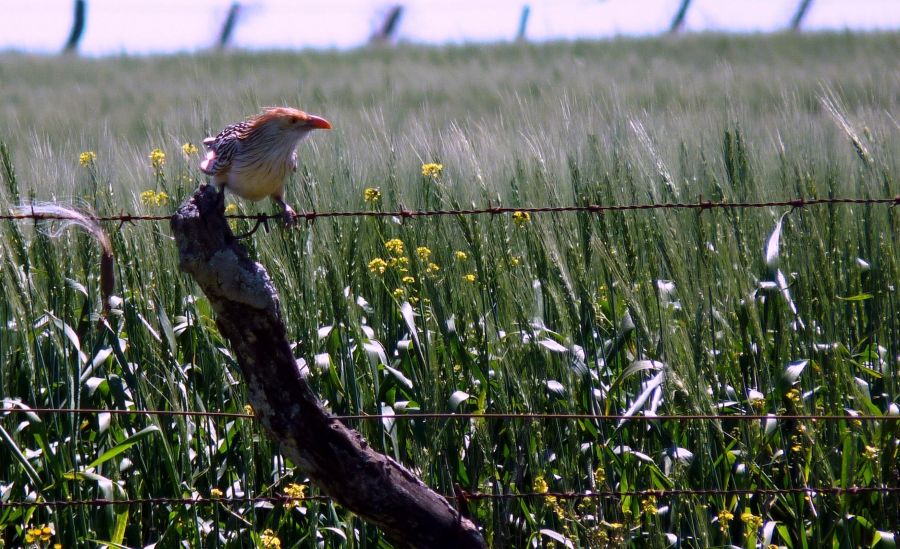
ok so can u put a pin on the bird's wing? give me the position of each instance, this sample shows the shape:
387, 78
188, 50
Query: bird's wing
222, 148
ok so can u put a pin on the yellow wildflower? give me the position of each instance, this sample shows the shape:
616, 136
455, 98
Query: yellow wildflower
423, 252
515, 261
41, 534
57, 546
725, 517
153, 198
231, 209
460, 255
397, 293
248, 409
215, 493
432, 268
648, 505
432, 169
87, 158
793, 395
395, 246
520, 218
157, 159
372, 194
751, 520
470, 278
540, 485
378, 266
269, 540
599, 475
408, 279
189, 149
296, 491
871, 452
148, 198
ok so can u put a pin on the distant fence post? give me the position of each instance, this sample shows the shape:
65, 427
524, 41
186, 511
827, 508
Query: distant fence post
802, 10
678, 20
228, 25
337, 459
77, 26
523, 23
387, 29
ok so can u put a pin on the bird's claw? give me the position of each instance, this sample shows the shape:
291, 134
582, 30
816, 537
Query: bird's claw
289, 216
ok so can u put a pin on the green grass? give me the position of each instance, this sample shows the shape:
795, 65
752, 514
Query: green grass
564, 314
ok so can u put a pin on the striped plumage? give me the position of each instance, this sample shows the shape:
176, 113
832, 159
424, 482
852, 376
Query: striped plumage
254, 157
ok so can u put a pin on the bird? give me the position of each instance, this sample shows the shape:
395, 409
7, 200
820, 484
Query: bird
253, 158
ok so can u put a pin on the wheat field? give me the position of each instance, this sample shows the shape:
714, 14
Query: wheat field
663, 312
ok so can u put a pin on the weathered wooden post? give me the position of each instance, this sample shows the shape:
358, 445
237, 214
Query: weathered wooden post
336, 458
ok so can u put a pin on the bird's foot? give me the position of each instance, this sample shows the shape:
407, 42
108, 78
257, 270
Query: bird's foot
290, 216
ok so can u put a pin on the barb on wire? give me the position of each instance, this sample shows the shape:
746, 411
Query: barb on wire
471, 496
475, 415
403, 213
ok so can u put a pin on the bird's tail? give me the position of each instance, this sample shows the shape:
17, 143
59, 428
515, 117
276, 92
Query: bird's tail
67, 217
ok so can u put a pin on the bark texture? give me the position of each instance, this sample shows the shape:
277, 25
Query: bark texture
336, 458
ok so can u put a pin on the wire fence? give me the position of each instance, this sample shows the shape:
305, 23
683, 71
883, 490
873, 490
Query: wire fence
700, 204
463, 496
477, 415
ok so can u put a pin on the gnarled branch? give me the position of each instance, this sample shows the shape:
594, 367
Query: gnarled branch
336, 458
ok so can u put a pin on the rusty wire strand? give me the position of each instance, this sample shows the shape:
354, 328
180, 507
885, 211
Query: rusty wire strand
463, 496
473, 415
701, 204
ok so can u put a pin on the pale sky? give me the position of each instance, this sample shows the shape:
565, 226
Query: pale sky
166, 26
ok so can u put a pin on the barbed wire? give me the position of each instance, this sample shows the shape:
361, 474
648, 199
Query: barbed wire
477, 415
403, 213
463, 496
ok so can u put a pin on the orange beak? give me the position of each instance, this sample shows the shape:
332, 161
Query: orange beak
317, 122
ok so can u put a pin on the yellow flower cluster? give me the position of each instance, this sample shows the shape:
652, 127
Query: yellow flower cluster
248, 409
378, 266
470, 278
423, 252
648, 505
432, 268
372, 194
725, 517
793, 395
521, 218
269, 540
871, 452
460, 255
40, 534
153, 198
297, 491
408, 279
752, 521
157, 159
87, 158
231, 209
395, 246
215, 493
432, 169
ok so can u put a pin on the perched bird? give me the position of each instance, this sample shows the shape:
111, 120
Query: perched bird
254, 157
